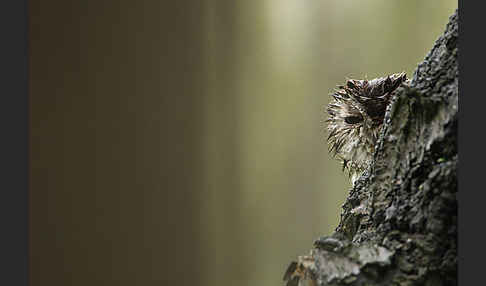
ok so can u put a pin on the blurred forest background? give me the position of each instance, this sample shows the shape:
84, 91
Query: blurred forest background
184, 143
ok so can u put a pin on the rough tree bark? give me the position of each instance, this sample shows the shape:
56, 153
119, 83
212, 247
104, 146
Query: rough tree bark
399, 223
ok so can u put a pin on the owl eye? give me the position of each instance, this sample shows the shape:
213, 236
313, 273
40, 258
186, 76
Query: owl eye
353, 119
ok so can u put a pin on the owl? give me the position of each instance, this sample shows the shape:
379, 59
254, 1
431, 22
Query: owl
355, 119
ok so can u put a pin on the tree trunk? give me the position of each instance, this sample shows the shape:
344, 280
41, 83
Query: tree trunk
399, 222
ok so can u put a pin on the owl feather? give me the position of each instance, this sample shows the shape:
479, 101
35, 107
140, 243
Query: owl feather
355, 118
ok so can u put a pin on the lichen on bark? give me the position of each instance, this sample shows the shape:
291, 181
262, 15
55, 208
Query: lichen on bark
399, 223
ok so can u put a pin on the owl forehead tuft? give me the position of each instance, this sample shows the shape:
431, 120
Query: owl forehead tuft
369, 98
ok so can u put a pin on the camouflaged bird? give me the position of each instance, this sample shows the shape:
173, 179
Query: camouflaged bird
356, 114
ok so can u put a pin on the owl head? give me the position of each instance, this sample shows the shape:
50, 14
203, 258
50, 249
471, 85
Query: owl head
356, 114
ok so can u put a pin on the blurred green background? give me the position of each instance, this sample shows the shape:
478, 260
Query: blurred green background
182, 143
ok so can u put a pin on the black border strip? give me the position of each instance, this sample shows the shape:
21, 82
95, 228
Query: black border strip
14, 125
471, 195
